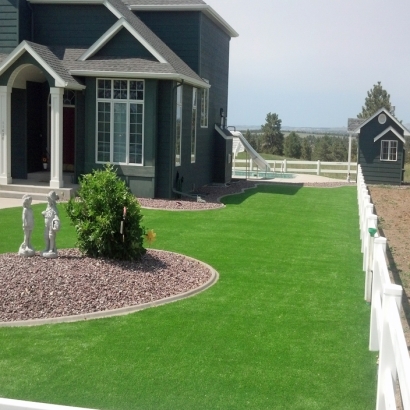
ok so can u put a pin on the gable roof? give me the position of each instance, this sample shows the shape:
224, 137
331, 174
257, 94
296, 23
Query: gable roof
47, 60
182, 5
356, 130
169, 65
387, 130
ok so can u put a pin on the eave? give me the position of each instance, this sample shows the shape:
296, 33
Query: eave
141, 75
204, 8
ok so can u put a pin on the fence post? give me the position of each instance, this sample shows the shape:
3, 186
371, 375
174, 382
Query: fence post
369, 268
285, 166
377, 290
387, 374
318, 167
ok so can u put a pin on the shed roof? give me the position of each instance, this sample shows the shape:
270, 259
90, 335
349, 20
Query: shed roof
352, 125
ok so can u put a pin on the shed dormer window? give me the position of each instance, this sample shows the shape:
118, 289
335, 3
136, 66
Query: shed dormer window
389, 151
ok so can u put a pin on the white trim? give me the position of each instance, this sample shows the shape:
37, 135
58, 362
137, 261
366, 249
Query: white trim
111, 32
357, 130
5, 135
194, 106
388, 151
205, 8
227, 137
112, 9
401, 138
151, 75
25, 47
127, 102
56, 137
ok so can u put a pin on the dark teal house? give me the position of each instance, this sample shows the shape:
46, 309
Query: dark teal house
141, 84
381, 147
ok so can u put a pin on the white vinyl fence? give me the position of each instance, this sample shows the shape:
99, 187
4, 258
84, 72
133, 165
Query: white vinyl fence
297, 167
386, 331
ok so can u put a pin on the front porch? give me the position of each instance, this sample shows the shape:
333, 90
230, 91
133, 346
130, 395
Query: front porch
37, 185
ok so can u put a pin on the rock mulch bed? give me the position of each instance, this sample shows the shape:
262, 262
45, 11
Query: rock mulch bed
34, 288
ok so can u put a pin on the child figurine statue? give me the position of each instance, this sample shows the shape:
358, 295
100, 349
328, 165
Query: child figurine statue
52, 226
26, 248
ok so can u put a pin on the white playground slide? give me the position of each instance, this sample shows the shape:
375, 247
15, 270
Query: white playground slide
256, 158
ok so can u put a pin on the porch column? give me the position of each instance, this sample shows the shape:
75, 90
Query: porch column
5, 135
56, 136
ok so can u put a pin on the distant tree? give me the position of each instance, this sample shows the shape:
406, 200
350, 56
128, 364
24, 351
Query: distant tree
376, 98
339, 150
250, 139
293, 145
272, 137
323, 149
306, 149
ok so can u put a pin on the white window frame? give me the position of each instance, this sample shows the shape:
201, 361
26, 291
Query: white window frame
127, 101
178, 132
392, 150
204, 106
194, 123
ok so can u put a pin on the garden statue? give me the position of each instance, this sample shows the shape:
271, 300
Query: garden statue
26, 248
52, 226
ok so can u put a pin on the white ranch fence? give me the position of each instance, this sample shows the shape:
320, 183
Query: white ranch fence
297, 167
386, 331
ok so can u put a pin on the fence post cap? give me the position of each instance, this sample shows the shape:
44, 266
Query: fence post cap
372, 232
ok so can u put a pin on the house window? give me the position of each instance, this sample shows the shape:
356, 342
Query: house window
120, 121
389, 151
193, 125
178, 130
204, 107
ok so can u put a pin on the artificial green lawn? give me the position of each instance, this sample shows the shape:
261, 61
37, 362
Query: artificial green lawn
285, 327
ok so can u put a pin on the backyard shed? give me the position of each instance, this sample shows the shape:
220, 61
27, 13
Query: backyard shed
381, 147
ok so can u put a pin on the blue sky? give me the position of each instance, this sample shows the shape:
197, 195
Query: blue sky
313, 61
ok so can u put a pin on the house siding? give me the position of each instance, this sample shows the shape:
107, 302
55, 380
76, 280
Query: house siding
140, 179
70, 25
165, 163
9, 33
125, 45
19, 133
374, 170
178, 30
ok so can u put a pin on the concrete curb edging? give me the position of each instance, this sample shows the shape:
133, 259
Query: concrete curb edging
124, 310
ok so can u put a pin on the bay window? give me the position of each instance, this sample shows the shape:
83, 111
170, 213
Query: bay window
120, 121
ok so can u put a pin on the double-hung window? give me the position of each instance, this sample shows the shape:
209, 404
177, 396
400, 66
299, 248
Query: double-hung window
120, 121
178, 130
193, 124
204, 107
389, 151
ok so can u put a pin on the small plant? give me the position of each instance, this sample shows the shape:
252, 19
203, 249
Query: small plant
107, 217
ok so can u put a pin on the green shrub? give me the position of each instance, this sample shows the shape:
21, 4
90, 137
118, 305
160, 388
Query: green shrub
97, 213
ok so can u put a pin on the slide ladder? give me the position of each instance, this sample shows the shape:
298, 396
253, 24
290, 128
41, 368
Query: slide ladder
256, 158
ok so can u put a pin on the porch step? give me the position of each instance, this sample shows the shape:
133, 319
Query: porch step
36, 192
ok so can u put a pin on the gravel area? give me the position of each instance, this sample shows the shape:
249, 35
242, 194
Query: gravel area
34, 288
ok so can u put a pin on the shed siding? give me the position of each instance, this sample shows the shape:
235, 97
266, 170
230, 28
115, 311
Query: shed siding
9, 35
70, 25
178, 30
374, 170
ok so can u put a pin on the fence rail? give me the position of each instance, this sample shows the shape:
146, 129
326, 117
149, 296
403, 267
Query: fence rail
386, 331
313, 167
